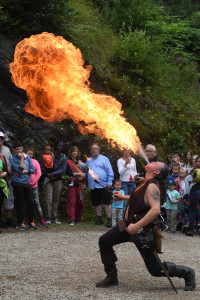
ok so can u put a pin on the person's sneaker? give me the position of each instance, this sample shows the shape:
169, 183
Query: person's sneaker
43, 223
32, 225
56, 222
185, 227
189, 233
72, 223
3, 225
10, 223
22, 226
48, 222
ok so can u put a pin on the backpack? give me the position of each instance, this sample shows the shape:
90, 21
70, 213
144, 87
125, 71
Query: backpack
3, 159
196, 175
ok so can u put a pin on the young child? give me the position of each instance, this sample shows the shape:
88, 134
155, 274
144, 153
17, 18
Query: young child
117, 205
48, 159
182, 192
172, 199
34, 187
175, 174
47, 165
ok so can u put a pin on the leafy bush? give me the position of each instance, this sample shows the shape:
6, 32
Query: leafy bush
26, 17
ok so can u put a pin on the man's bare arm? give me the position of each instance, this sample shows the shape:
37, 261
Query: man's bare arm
156, 194
120, 196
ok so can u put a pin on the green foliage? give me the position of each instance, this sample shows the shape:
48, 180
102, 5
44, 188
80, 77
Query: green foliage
137, 57
184, 8
27, 17
59, 125
175, 23
143, 52
128, 13
147, 62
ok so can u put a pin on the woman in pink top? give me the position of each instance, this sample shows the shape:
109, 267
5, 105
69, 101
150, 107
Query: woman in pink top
34, 186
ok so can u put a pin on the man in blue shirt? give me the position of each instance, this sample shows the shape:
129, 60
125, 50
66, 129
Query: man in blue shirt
100, 165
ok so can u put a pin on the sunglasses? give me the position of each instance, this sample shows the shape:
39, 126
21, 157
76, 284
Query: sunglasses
1, 138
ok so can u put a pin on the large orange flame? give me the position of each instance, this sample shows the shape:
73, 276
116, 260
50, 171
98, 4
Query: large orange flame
51, 71
91, 172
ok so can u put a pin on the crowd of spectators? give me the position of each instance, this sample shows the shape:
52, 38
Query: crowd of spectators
21, 173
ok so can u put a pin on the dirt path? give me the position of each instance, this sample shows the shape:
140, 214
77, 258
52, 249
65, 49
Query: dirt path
62, 262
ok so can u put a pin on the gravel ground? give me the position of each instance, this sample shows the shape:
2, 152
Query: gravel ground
62, 262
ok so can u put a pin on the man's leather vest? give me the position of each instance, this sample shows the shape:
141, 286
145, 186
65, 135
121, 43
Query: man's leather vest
137, 207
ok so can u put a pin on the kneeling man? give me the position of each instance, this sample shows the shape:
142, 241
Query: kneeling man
138, 226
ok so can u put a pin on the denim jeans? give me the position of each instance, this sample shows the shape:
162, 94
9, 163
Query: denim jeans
172, 219
116, 215
127, 187
37, 202
194, 200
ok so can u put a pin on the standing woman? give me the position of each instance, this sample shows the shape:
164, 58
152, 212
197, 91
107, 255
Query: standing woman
34, 186
192, 184
127, 171
3, 183
188, 160
75, 200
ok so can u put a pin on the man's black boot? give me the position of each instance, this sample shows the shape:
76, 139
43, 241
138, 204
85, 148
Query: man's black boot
110, 280
183, 272
99, 221
109, 223
109, 259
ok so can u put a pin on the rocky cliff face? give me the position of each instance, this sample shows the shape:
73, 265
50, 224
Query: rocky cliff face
19, 125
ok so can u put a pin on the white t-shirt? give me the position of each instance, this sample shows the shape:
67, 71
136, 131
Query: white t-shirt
129, 170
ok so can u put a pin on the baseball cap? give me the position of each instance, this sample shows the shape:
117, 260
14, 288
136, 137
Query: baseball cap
1, 134
171, 181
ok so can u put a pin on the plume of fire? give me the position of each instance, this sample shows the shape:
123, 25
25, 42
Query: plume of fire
91, 172
51, 71
87, 157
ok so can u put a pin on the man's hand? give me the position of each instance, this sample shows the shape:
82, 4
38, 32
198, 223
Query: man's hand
9, 170
128, 160
132, 228
50, 174
117, 195
109, 186
141, 179
17, 174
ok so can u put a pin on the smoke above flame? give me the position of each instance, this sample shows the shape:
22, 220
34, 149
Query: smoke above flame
52, 72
